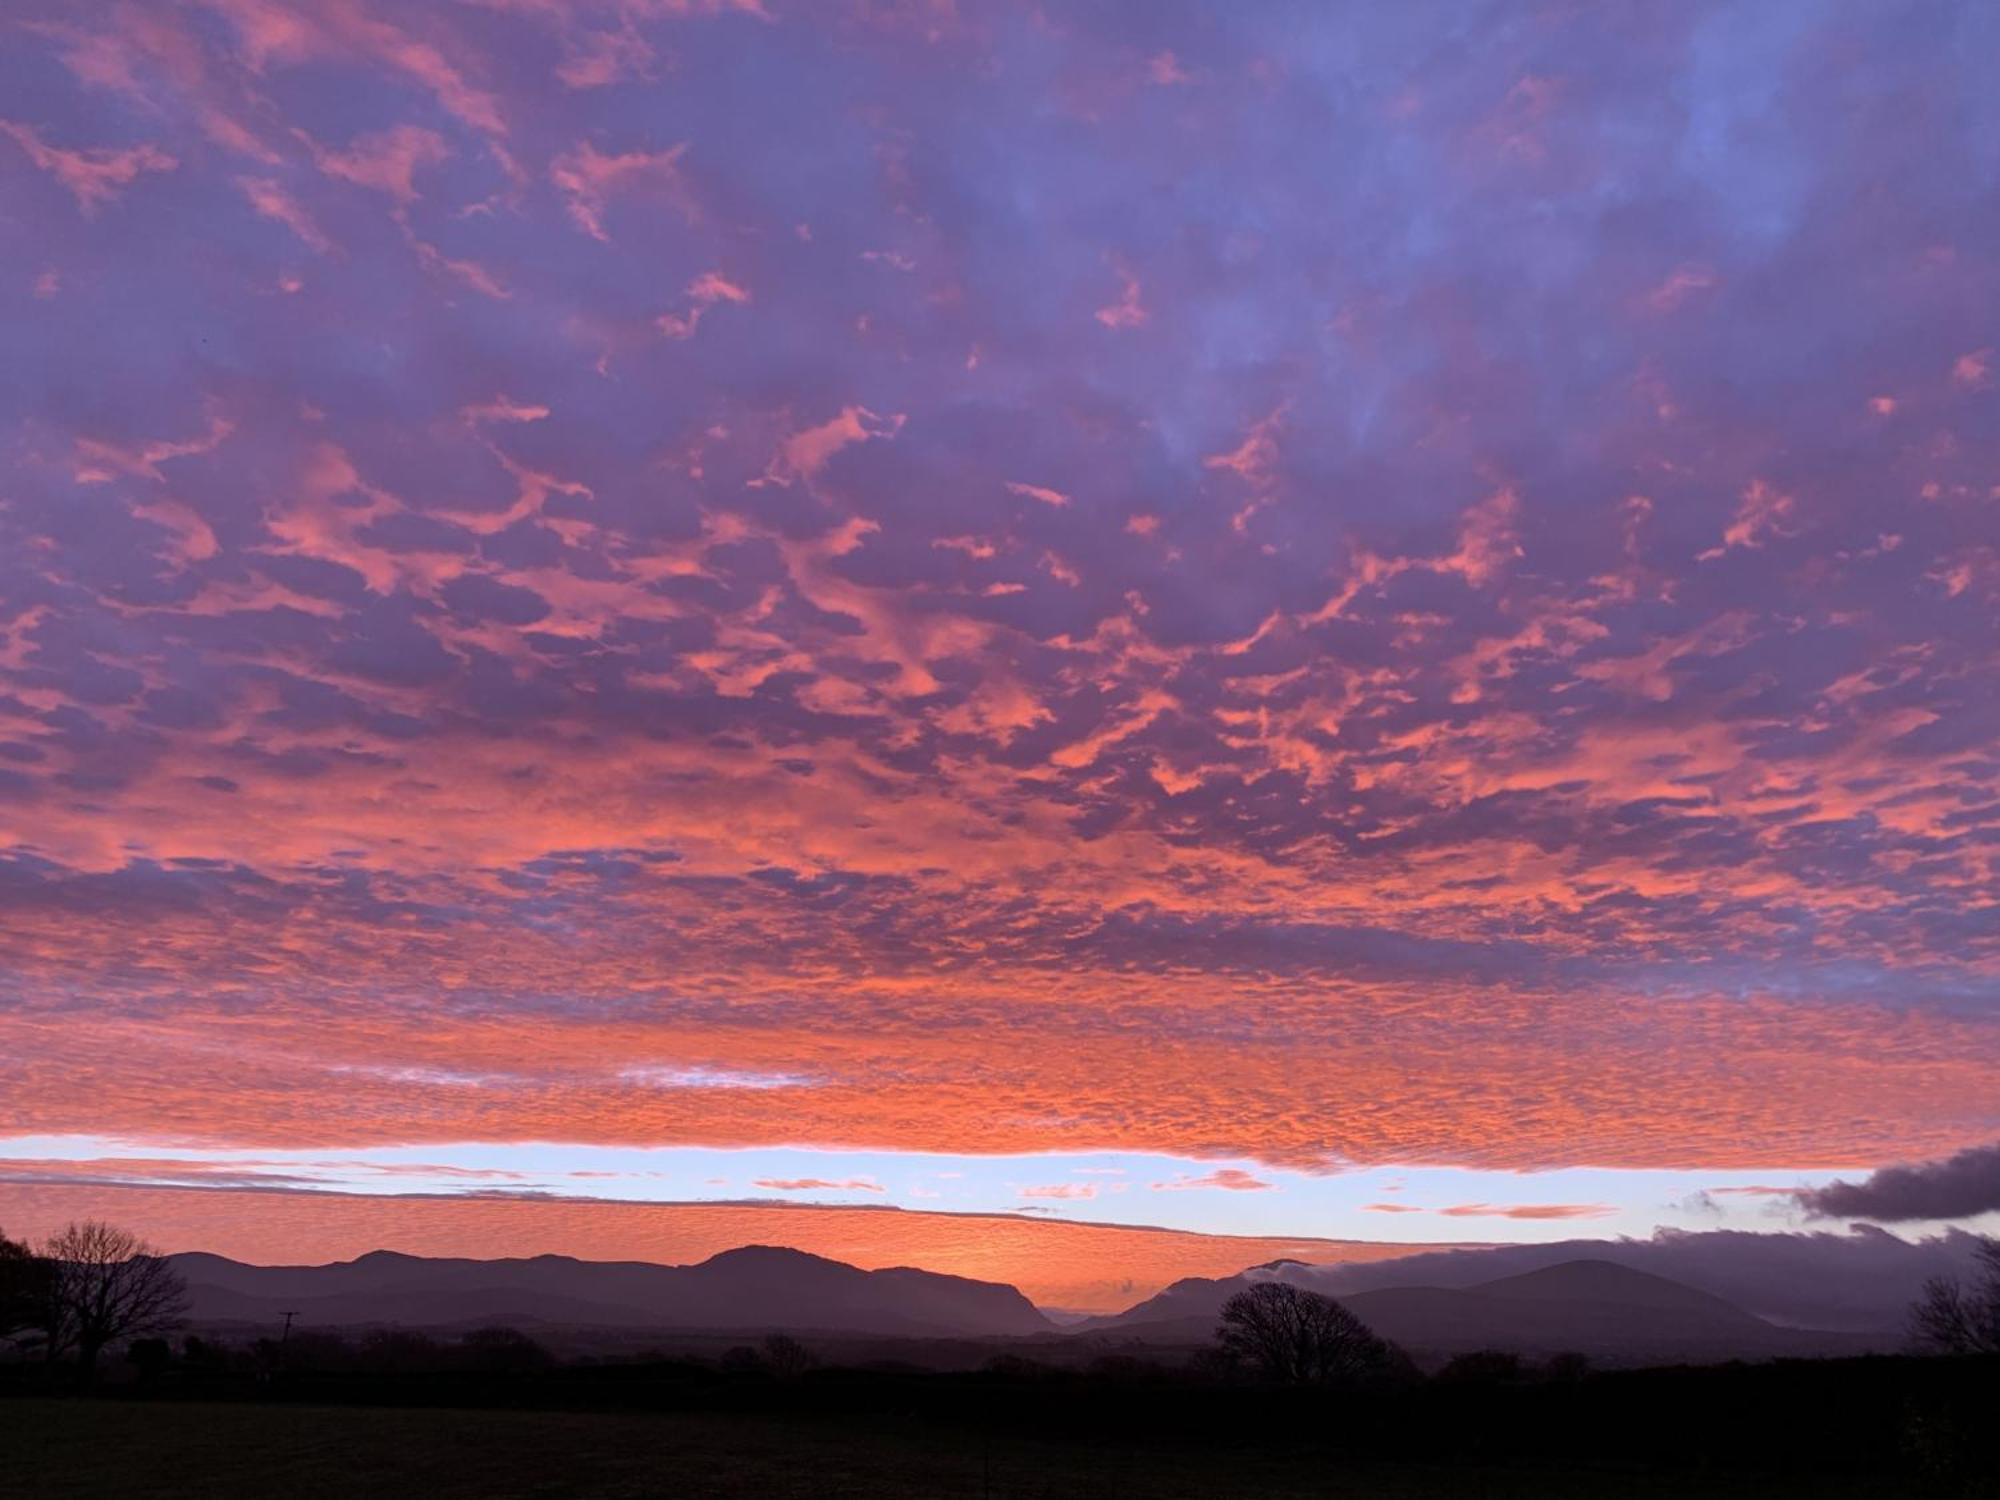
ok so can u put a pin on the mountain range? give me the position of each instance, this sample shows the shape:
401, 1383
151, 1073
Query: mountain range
757, 1287
1595, 1307
1598, 1307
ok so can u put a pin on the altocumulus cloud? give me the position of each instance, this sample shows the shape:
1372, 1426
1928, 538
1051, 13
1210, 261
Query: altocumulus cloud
736, 648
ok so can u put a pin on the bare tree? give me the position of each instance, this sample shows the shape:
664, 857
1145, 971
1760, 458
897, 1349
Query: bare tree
787, 1357
106, 1283
1955, 1319
1297, 1337
24, 1288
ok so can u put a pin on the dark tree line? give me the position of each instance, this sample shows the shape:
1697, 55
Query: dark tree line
84, 1288
1288, 1335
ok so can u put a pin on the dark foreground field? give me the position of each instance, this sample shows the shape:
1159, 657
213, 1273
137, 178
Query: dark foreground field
1885, 1426
124, 1448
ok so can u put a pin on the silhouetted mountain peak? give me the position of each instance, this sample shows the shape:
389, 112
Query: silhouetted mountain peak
767, 1257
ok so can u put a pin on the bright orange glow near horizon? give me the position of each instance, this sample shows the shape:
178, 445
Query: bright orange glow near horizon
1083, 1267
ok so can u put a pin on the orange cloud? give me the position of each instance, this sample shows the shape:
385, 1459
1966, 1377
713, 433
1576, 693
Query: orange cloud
1234, 1179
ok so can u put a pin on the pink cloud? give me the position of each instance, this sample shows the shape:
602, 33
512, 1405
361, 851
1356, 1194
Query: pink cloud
1684, 283
386, 161
588, 178
93, 175
501, 409
469, 272
1129, 309
98, 461
1068, 1190
1762, 514
273, 202
287, 33
1039, 492
703, 293
805, 453
1528, 1211
1254, 459
818, 1185
1234, 1179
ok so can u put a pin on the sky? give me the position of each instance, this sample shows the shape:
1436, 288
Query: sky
1350, 621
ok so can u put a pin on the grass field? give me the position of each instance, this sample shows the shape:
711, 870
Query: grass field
115, 1448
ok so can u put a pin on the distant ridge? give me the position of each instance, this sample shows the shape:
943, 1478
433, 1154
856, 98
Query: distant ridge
754, 1288
1597, 1307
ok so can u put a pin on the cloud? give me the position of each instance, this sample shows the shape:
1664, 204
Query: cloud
286, 33
712, 1078
1959, 1187
818, 1185
588, 178
386, 161
93, 175
1544, 691
501, 409
704, 292
1061, 1190
1527, 1211
1129, 308
1234, 1179
1038, 492
803, 454
271, 200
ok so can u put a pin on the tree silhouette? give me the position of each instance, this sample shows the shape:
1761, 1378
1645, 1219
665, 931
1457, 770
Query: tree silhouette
105, 1284
1296, 1337
24, 1289
787, 1357
1955, 1319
